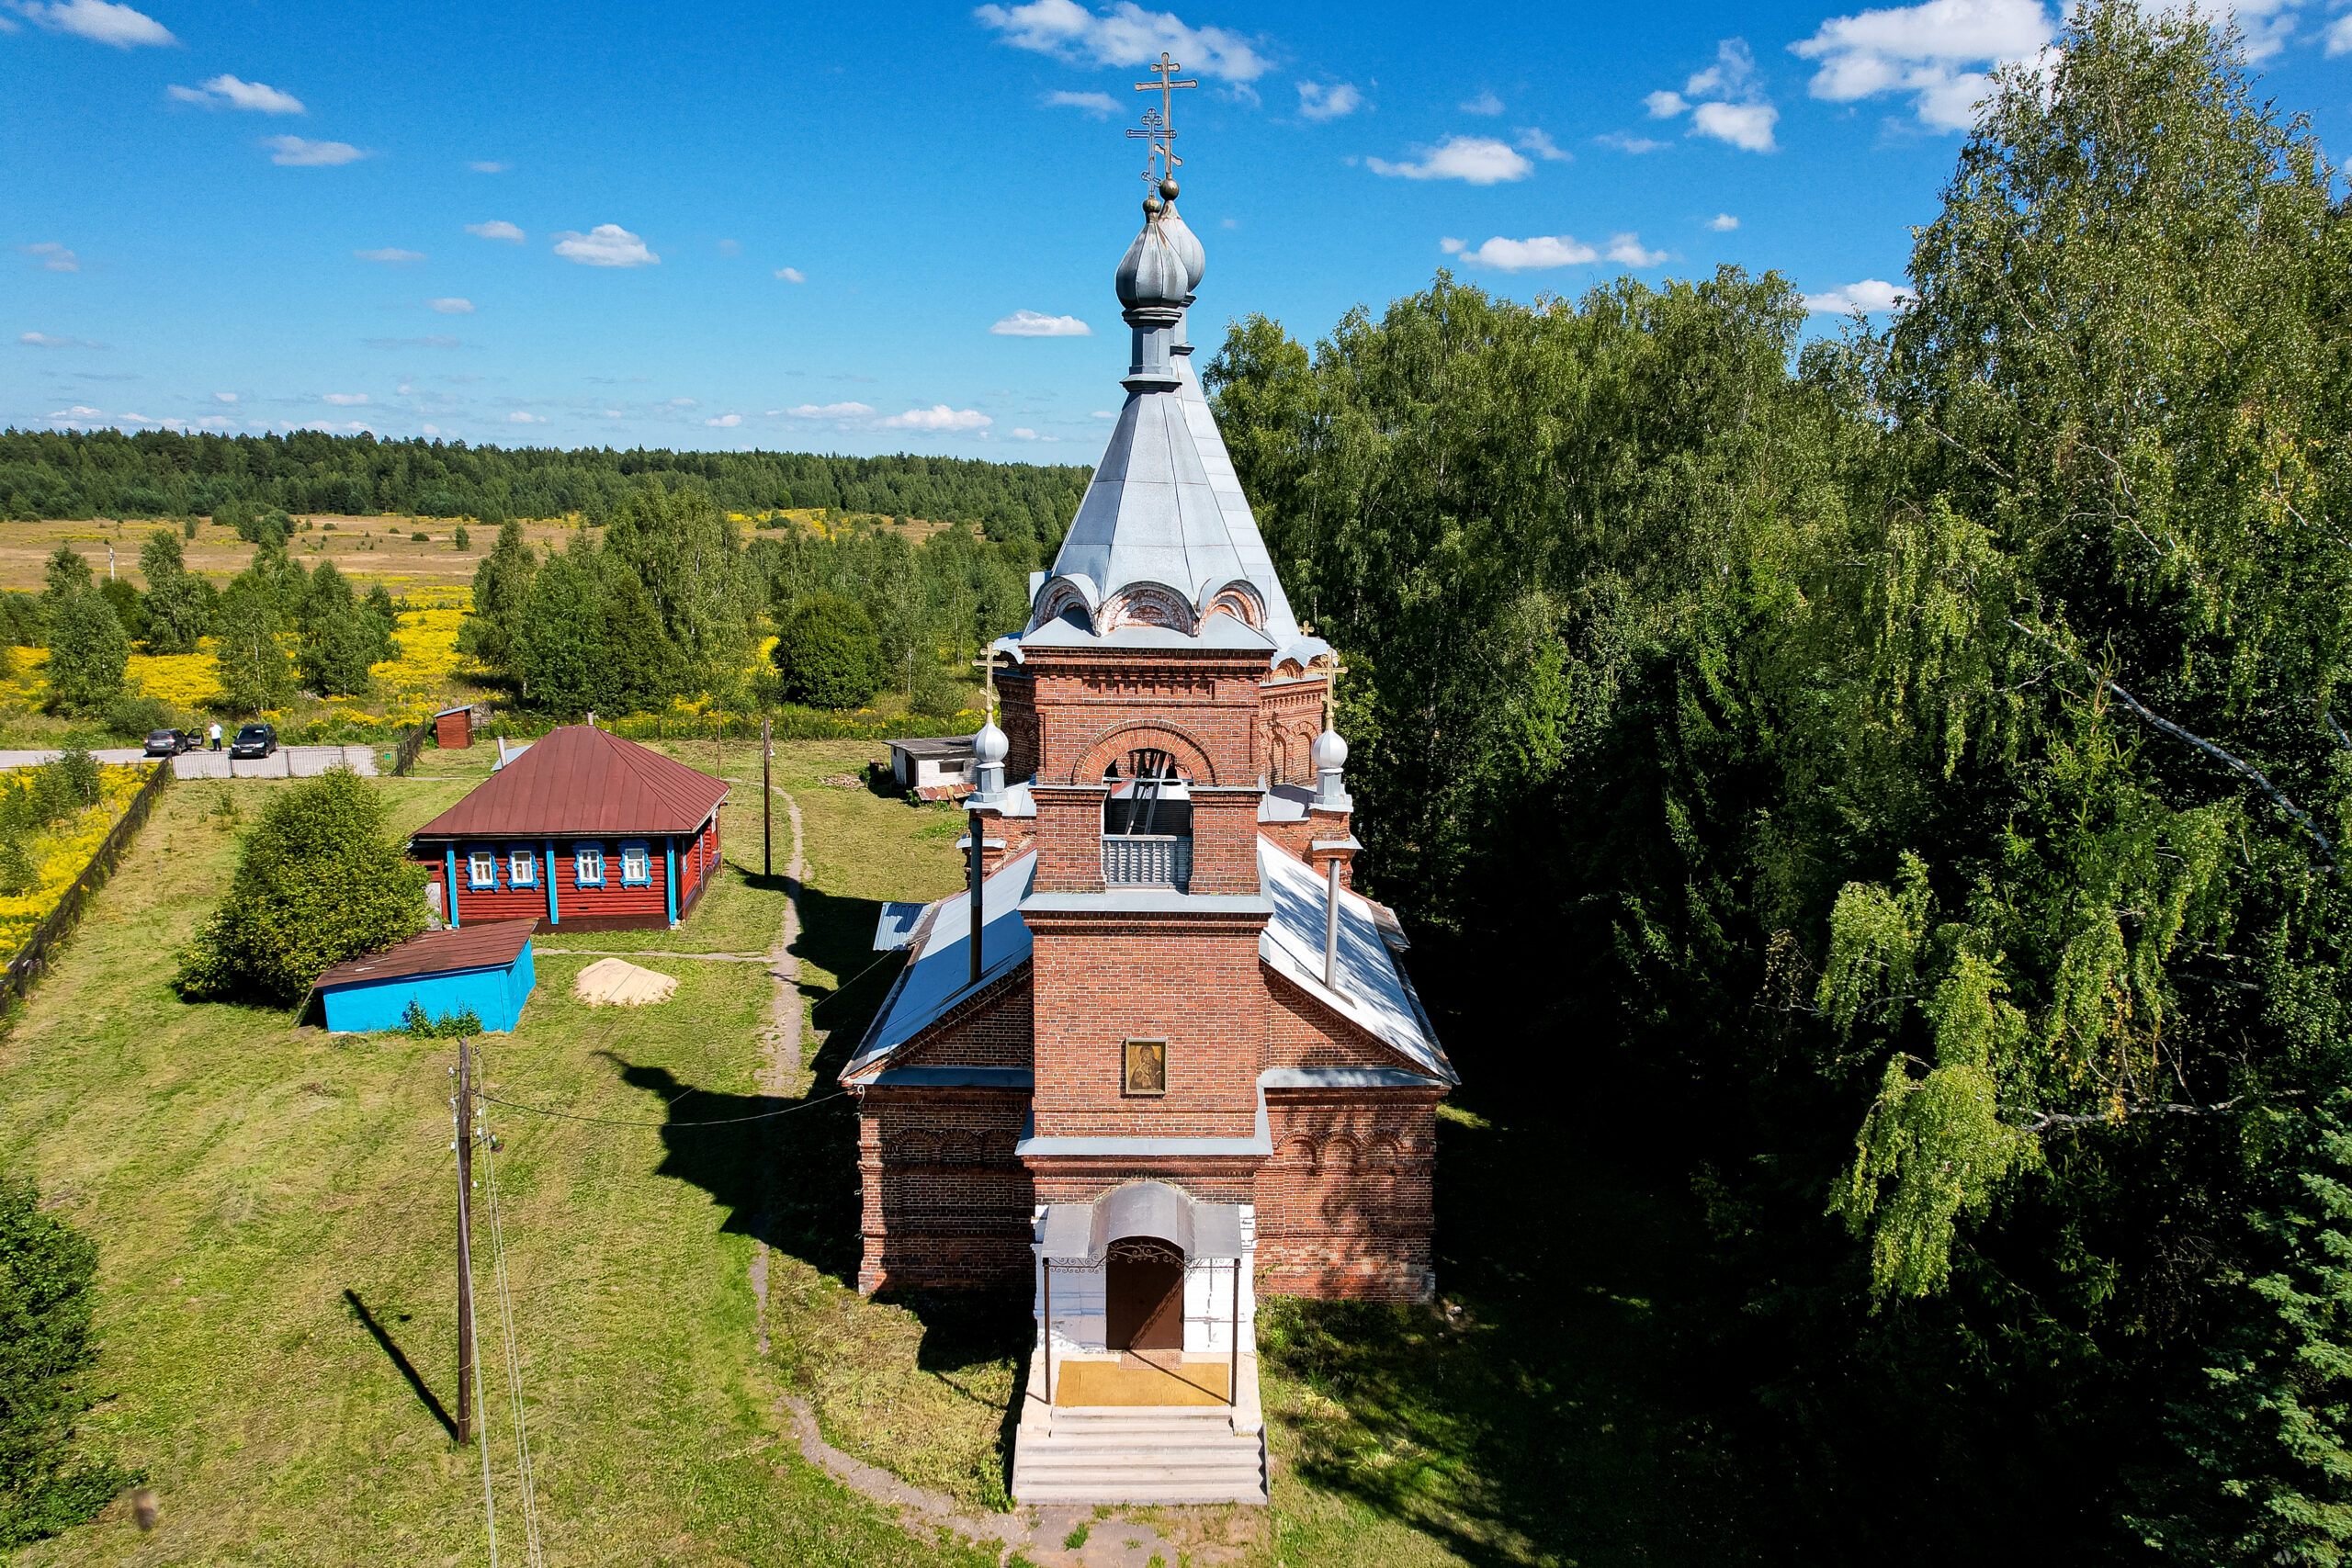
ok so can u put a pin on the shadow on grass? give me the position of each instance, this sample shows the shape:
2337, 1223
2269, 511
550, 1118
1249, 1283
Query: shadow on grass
407, 1368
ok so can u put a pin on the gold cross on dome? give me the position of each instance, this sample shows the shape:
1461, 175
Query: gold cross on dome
1164, 69
1162, 146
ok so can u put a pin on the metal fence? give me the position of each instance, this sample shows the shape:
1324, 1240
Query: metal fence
32, 959
1152, 860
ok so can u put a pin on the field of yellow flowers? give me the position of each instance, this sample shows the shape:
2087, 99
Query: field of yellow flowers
61, 853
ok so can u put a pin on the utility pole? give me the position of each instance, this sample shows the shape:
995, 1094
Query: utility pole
767, 799
462, 1104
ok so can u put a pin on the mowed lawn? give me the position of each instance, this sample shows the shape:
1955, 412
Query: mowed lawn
276, 1215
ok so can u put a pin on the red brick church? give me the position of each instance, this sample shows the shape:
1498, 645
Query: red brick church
1172, 1059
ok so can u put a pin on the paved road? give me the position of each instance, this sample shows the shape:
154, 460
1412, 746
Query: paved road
288, 762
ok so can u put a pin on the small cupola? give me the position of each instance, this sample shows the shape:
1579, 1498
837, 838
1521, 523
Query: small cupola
988, 747
1330, 758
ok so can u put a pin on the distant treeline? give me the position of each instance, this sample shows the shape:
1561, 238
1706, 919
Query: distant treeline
161, 473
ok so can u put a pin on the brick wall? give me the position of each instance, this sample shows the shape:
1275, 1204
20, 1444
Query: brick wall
1192, 981
945, 1204
1345, 1205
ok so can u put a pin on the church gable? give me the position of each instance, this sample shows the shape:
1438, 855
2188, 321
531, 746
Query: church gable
1303, 1030
995, 1028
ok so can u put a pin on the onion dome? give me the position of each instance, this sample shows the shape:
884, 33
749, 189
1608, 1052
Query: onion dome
1153, 272
1180, 235
1331, 752
989, 745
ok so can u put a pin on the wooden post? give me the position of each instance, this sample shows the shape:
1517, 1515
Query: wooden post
463, 1104
767, 826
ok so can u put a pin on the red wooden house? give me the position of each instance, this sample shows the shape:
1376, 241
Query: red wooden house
583, 831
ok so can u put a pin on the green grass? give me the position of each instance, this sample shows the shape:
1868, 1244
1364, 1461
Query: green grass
275, 1214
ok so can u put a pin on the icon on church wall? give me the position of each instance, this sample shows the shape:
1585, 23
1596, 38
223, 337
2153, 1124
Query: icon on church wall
1146, 1066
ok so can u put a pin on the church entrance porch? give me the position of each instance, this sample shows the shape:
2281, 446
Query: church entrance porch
1143, 1384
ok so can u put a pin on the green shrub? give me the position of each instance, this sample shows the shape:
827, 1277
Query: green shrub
318, 882
936, 694
827, 654
271, 526
48, 1279
420, 537
449, 1026
134, 717
462, 540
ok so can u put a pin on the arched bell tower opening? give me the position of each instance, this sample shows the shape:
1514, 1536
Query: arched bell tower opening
1147, 821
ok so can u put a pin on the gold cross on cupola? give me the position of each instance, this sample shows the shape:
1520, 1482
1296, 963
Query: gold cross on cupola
1165, 70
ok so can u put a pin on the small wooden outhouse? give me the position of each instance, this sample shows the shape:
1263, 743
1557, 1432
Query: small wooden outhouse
485, 969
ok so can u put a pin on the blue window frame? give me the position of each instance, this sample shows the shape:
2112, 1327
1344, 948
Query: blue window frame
523, 869
588, 864
637, 865
482, 868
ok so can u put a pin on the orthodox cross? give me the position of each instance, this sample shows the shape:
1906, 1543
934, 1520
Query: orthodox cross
987, 663
1158, 127
1164, 70
1330, 681
1163, 144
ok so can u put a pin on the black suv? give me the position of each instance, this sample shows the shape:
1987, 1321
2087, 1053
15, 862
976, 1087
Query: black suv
168, 743
253, 740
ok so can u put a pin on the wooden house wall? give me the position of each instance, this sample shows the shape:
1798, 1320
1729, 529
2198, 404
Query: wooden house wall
612, 907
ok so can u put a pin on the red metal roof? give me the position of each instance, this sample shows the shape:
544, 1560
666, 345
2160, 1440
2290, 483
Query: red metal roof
492, 946
579, 780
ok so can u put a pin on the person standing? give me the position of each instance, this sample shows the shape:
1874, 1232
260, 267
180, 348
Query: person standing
216, 735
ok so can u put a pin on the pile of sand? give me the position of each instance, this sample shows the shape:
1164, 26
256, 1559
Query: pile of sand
610, 982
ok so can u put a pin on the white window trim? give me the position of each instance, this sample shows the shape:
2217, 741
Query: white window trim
521, 868
580, 853
643, 849
475, 860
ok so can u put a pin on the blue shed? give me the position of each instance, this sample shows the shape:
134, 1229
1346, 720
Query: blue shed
485, 967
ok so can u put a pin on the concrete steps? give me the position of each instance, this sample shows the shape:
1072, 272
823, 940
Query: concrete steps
1147, 1454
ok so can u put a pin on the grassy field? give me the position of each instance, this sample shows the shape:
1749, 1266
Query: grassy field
274, 1211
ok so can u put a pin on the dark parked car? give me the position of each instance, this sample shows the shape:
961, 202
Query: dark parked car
253, 740
169, 742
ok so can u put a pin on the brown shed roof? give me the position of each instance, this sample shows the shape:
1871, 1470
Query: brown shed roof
579, 780
491, 946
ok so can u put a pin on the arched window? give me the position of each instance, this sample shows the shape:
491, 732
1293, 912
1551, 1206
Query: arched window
1147, 822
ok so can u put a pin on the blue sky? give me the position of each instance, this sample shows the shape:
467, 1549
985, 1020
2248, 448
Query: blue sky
880, 229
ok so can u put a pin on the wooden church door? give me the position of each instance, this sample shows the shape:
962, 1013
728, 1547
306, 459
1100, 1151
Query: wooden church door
1144, 1287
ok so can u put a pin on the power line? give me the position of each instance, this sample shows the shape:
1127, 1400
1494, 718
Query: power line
619, 1122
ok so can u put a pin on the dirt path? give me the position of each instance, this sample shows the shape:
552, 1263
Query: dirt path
781, 1073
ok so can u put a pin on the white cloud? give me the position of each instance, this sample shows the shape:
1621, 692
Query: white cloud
43, 340
1531, 140
725, 421
615, 414
1533, 255
451, 306
1099, 105
1746, 126
432, 430
1624, 143
1478, 160
327, 426
98, 21
392, 256
2339, 37
50, 256
608, 244
440, 341
1032, 323
1022, 433
1485, 103
79, 411
792, 275
1870, 296
344, 399
225, 90
1626, 250
1938, 53
225, 397
1724, 101
940, 417
295, 152
1318, 100
831, 410
1723, 222
486, 166
519, 417
215, 421
684, 403
496, 229
1102, 413
1124, 34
